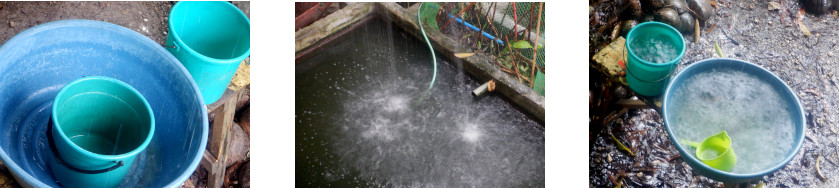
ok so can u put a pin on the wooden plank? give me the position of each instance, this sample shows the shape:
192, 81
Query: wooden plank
220, 142
207, 161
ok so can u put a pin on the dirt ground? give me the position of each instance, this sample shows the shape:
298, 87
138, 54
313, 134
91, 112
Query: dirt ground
147, 18
754, 31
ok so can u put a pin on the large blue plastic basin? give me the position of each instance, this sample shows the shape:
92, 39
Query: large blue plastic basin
784, 91
37, 62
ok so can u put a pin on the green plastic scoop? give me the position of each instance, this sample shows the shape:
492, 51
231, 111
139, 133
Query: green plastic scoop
715, 151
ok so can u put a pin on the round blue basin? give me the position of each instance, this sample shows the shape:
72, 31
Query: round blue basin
790, 107
38, 62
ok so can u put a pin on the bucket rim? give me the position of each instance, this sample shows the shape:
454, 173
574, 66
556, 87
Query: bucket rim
713, 173
87, 153
208, 59
632, 33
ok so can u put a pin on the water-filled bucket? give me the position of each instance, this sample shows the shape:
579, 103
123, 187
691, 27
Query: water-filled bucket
210, 39
97, 127
786, 96
39, 61
646, 77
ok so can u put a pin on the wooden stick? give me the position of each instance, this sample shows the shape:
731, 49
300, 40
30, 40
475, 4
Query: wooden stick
516, 23
536, 45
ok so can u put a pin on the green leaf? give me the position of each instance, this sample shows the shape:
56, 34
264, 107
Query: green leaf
506, 63
524, 70
522, 44
539, 85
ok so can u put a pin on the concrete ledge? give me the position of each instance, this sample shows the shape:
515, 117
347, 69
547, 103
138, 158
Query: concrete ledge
313, 36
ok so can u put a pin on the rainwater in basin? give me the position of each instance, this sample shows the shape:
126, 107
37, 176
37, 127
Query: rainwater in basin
358, 122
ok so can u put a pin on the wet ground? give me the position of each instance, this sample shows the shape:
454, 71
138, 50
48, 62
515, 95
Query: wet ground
147, 18
750, 31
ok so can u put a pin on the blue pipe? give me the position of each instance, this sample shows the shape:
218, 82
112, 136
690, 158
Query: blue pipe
470, 26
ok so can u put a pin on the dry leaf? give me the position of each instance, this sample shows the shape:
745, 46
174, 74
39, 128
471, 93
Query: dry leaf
464, 55
696, 30
803, 28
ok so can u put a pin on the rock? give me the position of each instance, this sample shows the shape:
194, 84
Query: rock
626, 26
11, 24
655, 4
239, 145
702, 8
687, 25
668, 16
817, 7
245, 175
678, 5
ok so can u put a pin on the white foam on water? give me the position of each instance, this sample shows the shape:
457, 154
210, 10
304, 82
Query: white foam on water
471, 133
654, 49
751, 111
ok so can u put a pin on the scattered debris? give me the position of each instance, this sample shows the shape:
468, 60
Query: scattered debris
633, 104
620, 145
464, 55
674, 157
774, 6
803, 28
819, 169
813, 92
696, 31
719, 51
710, 28
801, 25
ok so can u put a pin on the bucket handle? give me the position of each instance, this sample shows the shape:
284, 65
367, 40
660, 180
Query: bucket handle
60, 161
175, 46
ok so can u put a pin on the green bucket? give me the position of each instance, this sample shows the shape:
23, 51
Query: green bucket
644, 76
98, 125
210, 39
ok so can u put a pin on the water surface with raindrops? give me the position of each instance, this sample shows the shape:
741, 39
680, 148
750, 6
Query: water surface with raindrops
359, 123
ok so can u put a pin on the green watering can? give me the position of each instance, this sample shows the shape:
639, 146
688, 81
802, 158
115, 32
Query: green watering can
715, 151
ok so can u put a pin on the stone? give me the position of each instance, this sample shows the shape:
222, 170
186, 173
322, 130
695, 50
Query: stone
239, 145
668, 16
702, 8
687, 25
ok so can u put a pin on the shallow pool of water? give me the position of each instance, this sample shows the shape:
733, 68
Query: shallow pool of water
358, 120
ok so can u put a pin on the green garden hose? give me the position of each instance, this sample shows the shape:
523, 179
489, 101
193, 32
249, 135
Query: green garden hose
433, 56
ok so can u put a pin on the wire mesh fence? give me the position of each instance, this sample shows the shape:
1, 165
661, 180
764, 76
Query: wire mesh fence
511, 32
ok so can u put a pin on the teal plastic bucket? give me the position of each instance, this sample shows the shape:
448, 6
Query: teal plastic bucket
210, 39
646, 77
98, 126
